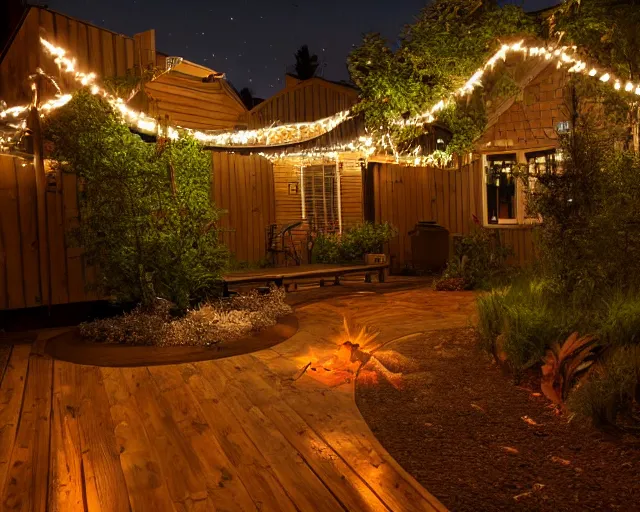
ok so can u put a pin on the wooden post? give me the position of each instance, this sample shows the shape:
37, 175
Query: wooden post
339, 193
44, 255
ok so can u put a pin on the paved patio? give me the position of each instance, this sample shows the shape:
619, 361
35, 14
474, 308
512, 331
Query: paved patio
274, 430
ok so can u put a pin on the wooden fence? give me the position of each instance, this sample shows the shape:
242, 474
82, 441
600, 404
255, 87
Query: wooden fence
243, 185
99, 50
34, 247
405, 195
39, 265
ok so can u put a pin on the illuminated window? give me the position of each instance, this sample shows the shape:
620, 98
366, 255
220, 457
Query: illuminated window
511, 181
502, 189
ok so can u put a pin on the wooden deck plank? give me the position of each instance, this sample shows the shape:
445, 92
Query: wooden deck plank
178, 460
250, 432
66, 481
336, 475
226, 489
302, 485
145, 481
332, 417
105, 485
264, 488
11, 395
5, 354
27, 480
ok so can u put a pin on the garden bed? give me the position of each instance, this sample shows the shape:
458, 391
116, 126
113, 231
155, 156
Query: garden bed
72, 347
160, 333
478, 442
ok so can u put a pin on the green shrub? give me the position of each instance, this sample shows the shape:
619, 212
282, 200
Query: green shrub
353, 244
479, 258
147, 220
610, 388
590, 235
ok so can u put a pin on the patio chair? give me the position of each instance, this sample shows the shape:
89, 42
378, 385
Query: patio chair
280, 240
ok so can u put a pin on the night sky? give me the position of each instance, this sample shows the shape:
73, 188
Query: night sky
253, 41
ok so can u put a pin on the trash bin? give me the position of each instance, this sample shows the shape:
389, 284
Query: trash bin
429, 247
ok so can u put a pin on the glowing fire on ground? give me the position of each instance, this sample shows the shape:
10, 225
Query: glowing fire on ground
355, 355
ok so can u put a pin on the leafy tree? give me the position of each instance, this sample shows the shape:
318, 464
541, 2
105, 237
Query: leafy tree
607, 30
449, 41
147, 220
306, 63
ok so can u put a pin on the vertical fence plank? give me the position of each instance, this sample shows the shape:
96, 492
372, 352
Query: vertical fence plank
56, 229
10, 238
28, 198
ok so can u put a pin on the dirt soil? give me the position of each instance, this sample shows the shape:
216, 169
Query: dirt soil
480, 443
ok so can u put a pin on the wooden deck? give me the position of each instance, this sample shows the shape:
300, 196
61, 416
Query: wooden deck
252, 432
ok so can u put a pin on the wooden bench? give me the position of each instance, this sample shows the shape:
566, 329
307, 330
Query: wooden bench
278, 276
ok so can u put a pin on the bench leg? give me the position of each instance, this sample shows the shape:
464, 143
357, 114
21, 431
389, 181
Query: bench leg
225, 289
279, 283
367, 277
322, 282
381, 275
286, 287
336, 281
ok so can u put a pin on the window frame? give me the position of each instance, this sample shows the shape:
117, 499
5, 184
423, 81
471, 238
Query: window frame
521, 219
336, 192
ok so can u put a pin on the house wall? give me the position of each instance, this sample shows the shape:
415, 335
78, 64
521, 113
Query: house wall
308, 100
530, 122
405, 195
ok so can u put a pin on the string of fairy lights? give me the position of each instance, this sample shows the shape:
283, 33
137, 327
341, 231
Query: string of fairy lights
13, 120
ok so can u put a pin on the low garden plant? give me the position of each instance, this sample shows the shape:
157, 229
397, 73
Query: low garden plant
479, 261
353, 244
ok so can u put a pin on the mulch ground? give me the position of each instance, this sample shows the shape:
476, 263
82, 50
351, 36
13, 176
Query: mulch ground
479, 443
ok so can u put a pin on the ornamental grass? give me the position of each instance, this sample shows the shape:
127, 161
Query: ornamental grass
214, 322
